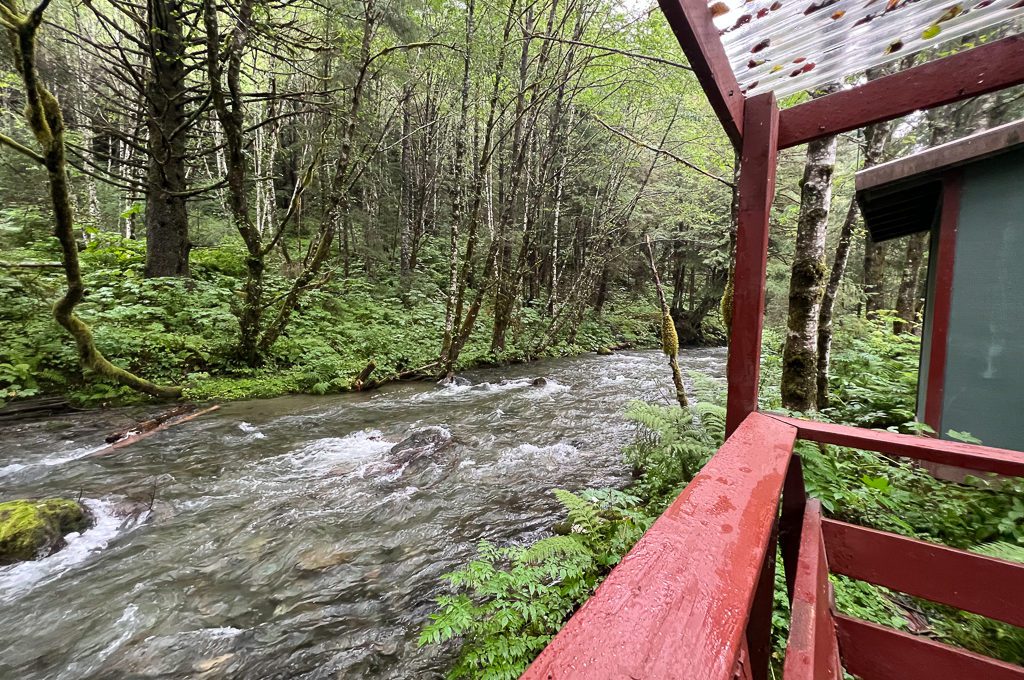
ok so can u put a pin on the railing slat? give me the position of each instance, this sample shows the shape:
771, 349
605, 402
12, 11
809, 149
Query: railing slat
968, 581
981, 458
878, 653
677, 605
812, 652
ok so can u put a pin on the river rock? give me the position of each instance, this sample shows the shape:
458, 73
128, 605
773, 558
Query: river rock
539, 382
320, 558
456, 380
33, 529
605, 351
420, 443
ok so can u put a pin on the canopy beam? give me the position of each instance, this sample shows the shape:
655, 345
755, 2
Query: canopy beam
967, 74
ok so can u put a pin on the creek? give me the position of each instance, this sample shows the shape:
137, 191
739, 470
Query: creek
277, 539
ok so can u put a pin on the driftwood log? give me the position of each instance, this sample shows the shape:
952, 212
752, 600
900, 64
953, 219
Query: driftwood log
175, 416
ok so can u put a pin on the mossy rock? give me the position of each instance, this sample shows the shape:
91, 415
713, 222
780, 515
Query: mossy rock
32, 529
605, 351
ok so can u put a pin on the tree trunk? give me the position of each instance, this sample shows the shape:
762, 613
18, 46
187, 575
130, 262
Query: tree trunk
408, 179
875, 138
44, 118
906, 298
167, 244
669, 338
806, 284
874, 276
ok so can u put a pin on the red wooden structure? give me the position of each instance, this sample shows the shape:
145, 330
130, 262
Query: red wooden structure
693, 599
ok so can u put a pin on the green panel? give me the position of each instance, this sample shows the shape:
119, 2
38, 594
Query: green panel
984, 392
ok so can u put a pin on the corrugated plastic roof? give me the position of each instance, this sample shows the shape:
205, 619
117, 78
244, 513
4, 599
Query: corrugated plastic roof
791, 45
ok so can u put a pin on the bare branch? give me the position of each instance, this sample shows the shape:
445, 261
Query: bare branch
664, 152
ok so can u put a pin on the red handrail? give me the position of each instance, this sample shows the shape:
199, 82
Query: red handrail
958, 454
678, 604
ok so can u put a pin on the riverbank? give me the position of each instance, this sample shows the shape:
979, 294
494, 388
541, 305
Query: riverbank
185, 332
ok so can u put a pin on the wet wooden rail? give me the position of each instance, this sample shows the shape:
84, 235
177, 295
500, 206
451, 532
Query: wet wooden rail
678, 604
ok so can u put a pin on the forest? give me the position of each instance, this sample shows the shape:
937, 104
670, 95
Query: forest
221, 201
307, 197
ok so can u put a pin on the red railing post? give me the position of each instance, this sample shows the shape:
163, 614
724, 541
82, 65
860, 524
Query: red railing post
756, 191
794, 501
942, 306
759, 625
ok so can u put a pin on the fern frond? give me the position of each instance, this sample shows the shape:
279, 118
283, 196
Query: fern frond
1003, 550
552, 547
584, 516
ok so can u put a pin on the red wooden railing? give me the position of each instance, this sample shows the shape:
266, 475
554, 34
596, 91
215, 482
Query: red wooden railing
693, 598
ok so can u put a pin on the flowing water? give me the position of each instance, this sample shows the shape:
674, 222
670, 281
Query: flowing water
283, 541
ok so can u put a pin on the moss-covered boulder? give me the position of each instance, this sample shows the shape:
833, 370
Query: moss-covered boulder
31, 529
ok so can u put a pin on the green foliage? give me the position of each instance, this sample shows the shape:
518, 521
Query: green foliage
874, 374
186, 331
508, 602
671, 445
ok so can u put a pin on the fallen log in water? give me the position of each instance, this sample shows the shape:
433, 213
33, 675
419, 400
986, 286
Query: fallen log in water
176, 416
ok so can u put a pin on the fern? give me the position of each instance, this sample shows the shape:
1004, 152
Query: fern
554, 547
584, 516
1003, 550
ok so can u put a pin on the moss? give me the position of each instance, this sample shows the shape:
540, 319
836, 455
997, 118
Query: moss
669, 337
30, 529
725, 306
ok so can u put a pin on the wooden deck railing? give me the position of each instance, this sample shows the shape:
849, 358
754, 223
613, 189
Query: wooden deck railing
678, 604
693, 598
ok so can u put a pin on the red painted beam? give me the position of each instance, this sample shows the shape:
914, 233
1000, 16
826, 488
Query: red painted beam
975, 583
677, 605
974, 72
756, 192
877, 653
692, 23
941, 309
970, 456
812, 652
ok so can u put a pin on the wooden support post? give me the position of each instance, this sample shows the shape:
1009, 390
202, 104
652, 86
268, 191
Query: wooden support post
701, 42
759, 626
756, 191
812, 652
794, 501
942, 306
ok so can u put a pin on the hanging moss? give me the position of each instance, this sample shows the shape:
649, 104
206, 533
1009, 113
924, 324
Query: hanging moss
31, 529
669, 337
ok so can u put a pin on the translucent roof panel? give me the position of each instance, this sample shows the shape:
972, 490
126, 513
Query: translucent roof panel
793, 45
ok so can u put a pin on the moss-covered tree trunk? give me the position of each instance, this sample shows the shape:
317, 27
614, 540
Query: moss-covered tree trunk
44, 118
806, 284
875, 139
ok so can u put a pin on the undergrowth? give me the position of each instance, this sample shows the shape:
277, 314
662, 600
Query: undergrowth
185, 331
